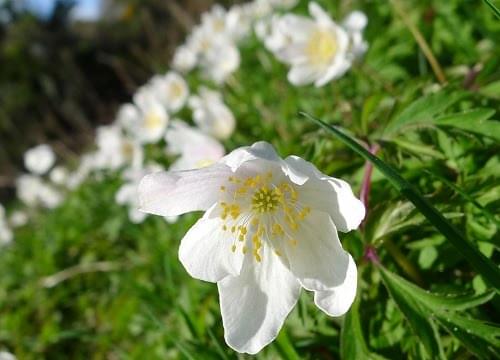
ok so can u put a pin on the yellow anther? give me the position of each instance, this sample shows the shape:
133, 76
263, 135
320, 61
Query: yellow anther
293, 242
257, 257
243, 230
244, 250
233, 229
224, 227
241, 238
222, 188
277, 252
233, 248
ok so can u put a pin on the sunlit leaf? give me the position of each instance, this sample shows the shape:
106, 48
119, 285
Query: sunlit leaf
481, 263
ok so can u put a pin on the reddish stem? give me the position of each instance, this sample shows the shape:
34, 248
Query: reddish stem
366, 185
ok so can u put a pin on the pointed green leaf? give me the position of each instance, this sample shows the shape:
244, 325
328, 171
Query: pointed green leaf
474, 121
435, 302
479, 262
417, 315
424, 110
352, 342
480, 338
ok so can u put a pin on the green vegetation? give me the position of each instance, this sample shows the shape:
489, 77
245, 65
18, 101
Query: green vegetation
82, 281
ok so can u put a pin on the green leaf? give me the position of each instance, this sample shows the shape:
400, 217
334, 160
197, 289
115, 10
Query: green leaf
436, 302
475, 121
417, 305
469, 252
352, 342
467, 197
478, 337
417, 315
423, 110
491, 90
285, 346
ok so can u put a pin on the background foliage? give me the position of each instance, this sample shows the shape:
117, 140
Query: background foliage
83, 281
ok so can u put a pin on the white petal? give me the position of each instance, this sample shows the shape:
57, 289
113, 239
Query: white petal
325, 193
302, 74
206, 253
355, 21
178, 192
319, 14
338, 300
259, 150
317, 259
255, 304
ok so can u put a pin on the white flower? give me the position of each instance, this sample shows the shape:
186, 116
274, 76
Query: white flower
5, 232
33, 191
354, 24
127, 193
317, 49
196, 149
5, 355
220, 61
171, 90
270, 228
87, 164
18, 218
148, 121
211, 114
39, 160
114, 150
185, 59
59, 175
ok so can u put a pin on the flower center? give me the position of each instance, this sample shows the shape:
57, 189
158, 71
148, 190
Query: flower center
322, 46
259, 211
265, 200
152, 121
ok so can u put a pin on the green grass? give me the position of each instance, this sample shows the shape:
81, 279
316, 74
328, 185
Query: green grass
120, 292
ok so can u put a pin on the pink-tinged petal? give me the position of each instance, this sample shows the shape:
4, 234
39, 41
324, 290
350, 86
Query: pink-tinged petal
178, 192
338, 300
255, 304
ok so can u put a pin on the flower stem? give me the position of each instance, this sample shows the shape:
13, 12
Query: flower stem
366, 184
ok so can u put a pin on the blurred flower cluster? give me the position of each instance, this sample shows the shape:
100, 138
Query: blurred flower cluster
316, 49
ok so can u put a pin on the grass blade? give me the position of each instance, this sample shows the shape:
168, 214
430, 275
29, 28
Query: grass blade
493, 8
478, 261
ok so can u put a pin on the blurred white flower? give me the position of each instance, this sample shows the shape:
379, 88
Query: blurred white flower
115, 150
171, 90
270, 229
354, 23
211, 115
40, 159
196, 149
220, 61
18, 218
318, 50
185, 59
5, 355
151, 118
127, 194
33, 191
6, 235
86, 165
59, 175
